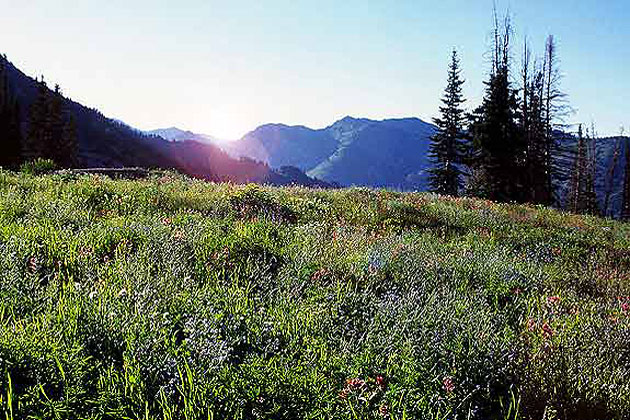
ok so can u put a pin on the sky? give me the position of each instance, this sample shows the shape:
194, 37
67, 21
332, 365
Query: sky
225, 67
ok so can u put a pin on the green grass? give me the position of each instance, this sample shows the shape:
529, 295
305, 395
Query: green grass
169, 298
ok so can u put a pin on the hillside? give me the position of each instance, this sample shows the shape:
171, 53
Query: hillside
104, 142
171, 298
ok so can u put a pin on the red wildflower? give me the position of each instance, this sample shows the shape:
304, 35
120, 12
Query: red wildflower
319, 274
380, 381
547, 331
553, 299
354, 383
625, 307
448, 384
516, 291
383, 410
166, 221
33, 264
531, 325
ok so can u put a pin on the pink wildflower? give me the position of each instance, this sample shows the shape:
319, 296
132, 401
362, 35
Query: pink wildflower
448, 384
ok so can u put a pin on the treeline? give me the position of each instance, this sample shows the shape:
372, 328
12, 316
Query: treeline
49, 132
513, 146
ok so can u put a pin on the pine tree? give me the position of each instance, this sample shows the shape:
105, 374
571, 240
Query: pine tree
582, 196
51, 134
68, 146
447, 145
532, 126
55, 127
610, 177
37, 141
10, 126
499, 165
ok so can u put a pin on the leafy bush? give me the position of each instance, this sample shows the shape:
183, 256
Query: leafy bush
38, 166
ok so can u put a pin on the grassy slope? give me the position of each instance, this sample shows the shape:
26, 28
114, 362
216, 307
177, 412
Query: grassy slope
171, 298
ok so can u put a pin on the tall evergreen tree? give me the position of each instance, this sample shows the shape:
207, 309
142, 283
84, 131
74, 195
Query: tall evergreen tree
68, 145
447, 145
55, 126
51, 133
10, 125
609, 179
582, 196
500, 149
533, 131
37, 141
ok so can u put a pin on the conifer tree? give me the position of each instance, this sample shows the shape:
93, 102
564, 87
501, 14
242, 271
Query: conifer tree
68, 145
38, 139
610, 177
500, 148
51, 133
447, 145
55, 125
10, 127
582, 196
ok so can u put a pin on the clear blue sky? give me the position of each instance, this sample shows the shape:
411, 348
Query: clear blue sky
224, 67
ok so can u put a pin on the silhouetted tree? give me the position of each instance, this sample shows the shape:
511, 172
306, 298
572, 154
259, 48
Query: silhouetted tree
447, 145
10, 130
582, 197
55, 126
51, 133
37, 141
68, 145
500, 149
610, 177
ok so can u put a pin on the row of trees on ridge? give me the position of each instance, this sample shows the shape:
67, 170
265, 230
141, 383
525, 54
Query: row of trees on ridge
51, 130
513, 146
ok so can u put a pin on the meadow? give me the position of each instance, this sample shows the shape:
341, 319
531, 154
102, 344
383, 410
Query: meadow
172, 298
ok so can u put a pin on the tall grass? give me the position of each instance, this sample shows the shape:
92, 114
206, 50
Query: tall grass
170, 298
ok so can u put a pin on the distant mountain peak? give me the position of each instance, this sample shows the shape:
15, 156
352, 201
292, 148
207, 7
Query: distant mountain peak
176, 134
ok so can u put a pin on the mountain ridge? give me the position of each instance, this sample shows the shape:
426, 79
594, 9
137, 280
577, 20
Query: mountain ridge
341, 151
105, 142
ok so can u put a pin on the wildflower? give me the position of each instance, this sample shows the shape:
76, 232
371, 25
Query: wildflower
85, 251
531, 325
553, 299
448, 384
516, 291
383, 410
343, 394
319, 274
380, 381
547, 330
625, 307
355, 383
166, 221
33, 264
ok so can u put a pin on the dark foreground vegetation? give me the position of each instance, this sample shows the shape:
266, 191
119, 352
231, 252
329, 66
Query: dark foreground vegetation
167, 298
